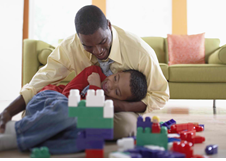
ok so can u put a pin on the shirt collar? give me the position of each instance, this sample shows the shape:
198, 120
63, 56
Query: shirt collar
115, 53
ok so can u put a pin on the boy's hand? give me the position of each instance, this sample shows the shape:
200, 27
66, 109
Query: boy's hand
4, 118
94, 79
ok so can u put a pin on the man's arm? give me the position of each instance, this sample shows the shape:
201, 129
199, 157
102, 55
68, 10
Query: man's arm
124, 106
11, 110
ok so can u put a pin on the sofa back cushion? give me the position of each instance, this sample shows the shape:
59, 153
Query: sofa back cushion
211, 44
158, 45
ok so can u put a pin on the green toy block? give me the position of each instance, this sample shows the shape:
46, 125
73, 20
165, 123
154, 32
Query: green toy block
42, 152
99, 123
86, 112
147, 138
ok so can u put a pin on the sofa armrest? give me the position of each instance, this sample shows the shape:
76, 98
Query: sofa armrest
30, 61
218, 56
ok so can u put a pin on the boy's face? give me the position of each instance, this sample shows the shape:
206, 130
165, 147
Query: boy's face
98, 43
117, 86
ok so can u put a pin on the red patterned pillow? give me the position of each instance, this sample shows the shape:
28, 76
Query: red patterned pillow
186, 49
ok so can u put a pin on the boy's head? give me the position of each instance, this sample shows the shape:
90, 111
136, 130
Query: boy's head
129, 85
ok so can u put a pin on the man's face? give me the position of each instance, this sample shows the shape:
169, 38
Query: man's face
117, 86
98, 43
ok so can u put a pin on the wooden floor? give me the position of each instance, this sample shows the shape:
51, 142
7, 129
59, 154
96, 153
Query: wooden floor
183, 111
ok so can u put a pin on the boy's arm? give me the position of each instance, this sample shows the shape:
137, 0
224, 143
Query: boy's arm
11, 110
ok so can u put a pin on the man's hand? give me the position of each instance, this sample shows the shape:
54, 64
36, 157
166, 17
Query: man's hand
4, 118
94, 79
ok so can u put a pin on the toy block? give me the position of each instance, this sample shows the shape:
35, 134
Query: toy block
177, 136
94, 143
198, 128
94, 153
146, 123
202, 126
211, 149
176, 128
119, 155
145, 152
125, 143
183, 147
93, 100
147, 138
42, 152
153, 147
169, 123
99, 123
85, 112
100, 133
73, 98
192, 138
108, 109
155, 128
169, 154
173, 140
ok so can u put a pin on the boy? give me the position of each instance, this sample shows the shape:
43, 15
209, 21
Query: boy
47, 123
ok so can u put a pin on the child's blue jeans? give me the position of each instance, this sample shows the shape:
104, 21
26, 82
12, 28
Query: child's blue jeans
47, 124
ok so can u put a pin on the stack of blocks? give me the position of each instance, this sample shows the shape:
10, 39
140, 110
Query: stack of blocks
145, 136
95, 117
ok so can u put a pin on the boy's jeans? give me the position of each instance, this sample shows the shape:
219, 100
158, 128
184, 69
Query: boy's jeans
46, 116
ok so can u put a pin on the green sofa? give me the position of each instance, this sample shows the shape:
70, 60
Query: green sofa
186, 81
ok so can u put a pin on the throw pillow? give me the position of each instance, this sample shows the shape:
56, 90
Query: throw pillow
186, 49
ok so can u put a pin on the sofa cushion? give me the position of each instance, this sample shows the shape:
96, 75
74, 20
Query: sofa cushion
197, 73
186, 49
43, 55
211, 44
164, 68
219, 56
158, 45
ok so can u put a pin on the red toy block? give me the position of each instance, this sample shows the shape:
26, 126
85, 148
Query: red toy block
155, 128
190, 137
198, 128
181, 127
94, 153
183, 147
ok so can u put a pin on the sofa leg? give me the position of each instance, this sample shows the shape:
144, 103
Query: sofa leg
214, 107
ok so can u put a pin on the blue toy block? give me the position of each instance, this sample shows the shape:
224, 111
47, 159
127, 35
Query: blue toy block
146, 123
173, 139
211, 149
145, 152
100, 133
169, 123
169, 154
135, 155
83, 144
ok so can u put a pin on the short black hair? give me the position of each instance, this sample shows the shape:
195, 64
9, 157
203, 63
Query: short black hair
89, 19
138, 85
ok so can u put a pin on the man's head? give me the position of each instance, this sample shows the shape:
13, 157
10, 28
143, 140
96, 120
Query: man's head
94, 31
129, 85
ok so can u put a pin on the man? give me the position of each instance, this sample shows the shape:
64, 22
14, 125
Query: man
97, 42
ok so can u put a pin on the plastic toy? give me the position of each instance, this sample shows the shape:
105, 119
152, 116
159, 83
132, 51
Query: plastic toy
125, 143
94, 153
42, 152
183, 147
143, 124
169, 123
211, 149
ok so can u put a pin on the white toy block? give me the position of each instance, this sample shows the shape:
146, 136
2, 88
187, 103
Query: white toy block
125, 144
93, 100
154, 147
108, 109
173, 136
170, 145
118, 155
73, 98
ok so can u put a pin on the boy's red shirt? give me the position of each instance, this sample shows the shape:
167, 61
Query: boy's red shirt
79, 82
